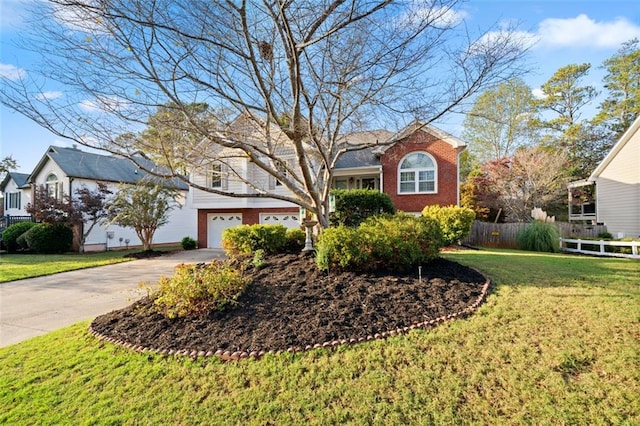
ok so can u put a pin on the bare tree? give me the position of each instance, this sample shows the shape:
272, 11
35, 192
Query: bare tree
532, 177
304, 73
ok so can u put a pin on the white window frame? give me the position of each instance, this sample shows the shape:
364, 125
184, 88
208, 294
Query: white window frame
218, 177
54, 186
416, 175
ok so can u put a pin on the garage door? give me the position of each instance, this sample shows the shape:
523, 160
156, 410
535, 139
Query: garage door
218, 222
290, 220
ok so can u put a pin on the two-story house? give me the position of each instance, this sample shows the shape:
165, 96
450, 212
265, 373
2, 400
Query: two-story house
416, 167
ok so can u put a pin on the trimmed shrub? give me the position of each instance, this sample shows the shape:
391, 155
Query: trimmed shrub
188, 243
21, 242
294, 240
246, 239
395, 243
194, 289
11, 234
539, 236
341, 247
455, 221
49, 238
355, 205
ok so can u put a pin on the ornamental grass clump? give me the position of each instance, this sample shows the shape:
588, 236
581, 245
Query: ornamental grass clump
539, 236
194, 289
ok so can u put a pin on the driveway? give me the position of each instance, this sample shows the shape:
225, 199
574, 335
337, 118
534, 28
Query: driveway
37, 306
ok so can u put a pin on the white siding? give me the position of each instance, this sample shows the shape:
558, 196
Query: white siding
206, 200
25, 198
618, 191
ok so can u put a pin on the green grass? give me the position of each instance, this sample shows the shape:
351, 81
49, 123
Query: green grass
557, 342
19, 266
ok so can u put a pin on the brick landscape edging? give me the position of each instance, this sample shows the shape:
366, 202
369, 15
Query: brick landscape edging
238, 355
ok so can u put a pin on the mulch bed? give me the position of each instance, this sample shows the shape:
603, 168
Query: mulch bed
291, 305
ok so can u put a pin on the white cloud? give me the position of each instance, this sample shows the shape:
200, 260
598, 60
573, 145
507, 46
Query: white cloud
11, 72
49, 96
538, 93
79, 16
421, 13
103, 105
584, 31
503, 39
13, 14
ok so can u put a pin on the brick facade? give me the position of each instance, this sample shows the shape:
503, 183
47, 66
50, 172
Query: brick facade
249, 217
446, 157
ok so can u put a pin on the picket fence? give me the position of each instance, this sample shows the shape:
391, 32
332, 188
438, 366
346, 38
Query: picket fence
503, 235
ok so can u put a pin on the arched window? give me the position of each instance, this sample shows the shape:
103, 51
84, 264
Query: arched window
417, 174
54, 187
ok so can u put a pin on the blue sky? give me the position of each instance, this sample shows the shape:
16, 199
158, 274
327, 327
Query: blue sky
566, 31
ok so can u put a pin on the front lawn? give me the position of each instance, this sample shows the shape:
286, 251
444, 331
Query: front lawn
556, 343
20, 266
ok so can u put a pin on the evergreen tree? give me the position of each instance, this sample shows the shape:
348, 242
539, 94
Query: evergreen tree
622, 105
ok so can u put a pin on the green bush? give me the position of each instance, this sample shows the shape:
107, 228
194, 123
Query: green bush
49, 238
188, 243
355, 205
11, 234
194, 289
294, 240
604, 235
539, 236
246, 239
341, 247
395, 243
455, 221
21, 242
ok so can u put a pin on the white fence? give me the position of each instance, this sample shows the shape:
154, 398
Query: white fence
601, 248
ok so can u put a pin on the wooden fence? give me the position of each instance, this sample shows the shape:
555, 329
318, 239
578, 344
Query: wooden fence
487, 234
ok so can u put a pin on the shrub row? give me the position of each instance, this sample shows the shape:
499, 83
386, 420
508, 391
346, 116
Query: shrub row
12, 233
197, 288
38, 237
245, 240
396, 243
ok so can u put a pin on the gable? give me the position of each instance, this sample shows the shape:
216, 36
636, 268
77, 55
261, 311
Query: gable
623, 161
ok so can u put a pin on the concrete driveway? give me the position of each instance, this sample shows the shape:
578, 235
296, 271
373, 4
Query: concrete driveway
37, 306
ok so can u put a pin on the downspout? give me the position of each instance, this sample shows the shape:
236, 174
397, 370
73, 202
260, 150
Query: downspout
458, 176
381, 180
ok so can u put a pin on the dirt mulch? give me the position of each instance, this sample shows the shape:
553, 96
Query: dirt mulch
291, 305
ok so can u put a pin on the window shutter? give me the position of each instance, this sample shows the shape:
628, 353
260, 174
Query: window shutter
224, 177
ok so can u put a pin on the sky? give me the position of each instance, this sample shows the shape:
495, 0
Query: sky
566, 32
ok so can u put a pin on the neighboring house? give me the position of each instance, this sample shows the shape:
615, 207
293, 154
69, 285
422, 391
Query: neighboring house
63, 170
617, 183
16, 193
417, 166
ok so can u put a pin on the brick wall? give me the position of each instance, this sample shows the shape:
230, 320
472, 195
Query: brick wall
249, 217
446, 157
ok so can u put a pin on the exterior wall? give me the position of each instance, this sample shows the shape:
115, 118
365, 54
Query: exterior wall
25, 199
204, 200
250, 216
446, 158
618, 191
105, 236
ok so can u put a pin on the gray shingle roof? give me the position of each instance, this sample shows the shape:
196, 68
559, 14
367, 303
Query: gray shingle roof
19, 178
361, 158
86, 165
